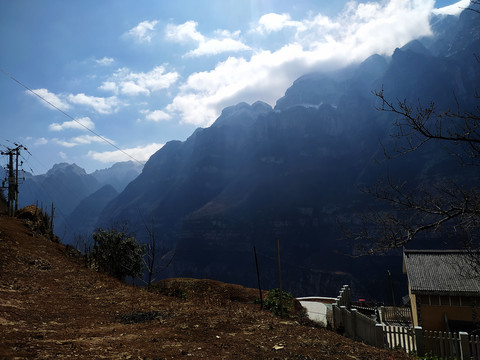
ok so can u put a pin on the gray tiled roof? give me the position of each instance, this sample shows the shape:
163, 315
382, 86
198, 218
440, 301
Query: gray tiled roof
451, 272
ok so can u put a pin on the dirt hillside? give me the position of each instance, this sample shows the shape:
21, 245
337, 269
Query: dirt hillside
51, 307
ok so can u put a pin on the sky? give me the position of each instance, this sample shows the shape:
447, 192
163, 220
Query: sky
98, 82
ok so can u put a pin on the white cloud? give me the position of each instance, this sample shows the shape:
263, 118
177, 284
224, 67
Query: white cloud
275, 22
64, 143
109, 86
140, 153
184, 32
102, 105
88, 139
215, 47
40, 141
132, 88
53, 99
130, 83
143, 31
222, 33
225, 41
317, 43
79, 124
81, 140
63, 155
157, 115
105, 61
454, 9
99, 104
264, 77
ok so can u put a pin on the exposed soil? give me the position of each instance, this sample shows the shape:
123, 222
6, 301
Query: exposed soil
52, 307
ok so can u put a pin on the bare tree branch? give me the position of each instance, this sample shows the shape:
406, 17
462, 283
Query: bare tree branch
157, 257
431, 207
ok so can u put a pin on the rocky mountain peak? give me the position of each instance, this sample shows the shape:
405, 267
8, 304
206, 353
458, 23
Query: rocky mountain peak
242, 114
66, 168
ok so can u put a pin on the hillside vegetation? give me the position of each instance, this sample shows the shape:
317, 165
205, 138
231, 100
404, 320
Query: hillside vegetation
52, 307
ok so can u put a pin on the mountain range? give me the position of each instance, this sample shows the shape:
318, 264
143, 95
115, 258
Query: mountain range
78, 197
260, 174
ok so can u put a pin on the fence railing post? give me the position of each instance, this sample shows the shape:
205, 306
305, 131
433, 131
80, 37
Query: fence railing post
348, 297
379, 337
344, 324
346, 321
419, 343
334, 305
338, 320
354, 321
464, 346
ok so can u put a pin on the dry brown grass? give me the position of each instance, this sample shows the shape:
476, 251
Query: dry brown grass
53, 308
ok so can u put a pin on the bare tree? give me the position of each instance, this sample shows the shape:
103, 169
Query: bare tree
157, 256
84, 243
442, 207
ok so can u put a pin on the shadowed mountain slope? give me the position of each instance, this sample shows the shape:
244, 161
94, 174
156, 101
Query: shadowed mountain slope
291, 173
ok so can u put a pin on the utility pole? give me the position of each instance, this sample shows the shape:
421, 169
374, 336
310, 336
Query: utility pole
391, 287
12, 178
11, 184
279, 278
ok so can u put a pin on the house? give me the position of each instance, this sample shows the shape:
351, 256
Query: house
444, 288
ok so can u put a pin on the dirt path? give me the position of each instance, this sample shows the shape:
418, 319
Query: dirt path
51, 307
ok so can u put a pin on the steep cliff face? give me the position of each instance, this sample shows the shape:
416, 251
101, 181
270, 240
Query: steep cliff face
258, 174
246, 181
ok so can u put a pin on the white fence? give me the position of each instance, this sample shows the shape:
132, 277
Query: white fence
394, 315
447, 345
400, 337
474, 343
444, 345
357, 326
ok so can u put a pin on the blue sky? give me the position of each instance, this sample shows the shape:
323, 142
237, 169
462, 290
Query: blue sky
141, 73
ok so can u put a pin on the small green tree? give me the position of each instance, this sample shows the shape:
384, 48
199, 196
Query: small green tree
117, 253
280, 308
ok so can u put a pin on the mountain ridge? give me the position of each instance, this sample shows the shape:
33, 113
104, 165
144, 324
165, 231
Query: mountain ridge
290, 172
67, 185
254, 176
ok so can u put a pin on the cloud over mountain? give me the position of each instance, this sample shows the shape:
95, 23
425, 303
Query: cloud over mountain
140, 153
311, 44
162, 69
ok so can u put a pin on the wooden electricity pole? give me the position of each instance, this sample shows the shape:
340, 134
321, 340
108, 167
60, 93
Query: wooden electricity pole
258, 278
279, 278
12, 178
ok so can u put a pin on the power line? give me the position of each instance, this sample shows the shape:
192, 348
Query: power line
70, 117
